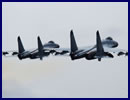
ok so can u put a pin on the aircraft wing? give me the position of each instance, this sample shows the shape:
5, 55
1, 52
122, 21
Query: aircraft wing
85, 50
13, 52
55, 51
10, 52
118, 51
64, 51
58, 51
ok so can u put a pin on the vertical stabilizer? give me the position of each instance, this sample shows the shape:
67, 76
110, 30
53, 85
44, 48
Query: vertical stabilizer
100, 50
20, 46
40, 48
73, 42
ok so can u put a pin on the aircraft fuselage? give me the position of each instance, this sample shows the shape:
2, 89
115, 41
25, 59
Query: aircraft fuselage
91, 54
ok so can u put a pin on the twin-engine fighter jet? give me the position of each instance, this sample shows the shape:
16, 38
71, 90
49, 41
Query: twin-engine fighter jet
40, 52
102, 49
95, 52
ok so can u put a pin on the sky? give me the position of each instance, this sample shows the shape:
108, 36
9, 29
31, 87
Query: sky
60, 76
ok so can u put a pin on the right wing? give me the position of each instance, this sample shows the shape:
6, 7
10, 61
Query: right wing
117, 51
58, 51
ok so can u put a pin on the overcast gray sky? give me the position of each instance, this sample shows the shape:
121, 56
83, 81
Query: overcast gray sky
59, 76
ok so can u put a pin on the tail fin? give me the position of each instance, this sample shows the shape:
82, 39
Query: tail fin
20, 46
73, 42
40, 48
100, 50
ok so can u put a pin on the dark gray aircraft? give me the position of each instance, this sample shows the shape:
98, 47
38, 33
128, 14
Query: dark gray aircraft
102, 49
98, 51
41, 52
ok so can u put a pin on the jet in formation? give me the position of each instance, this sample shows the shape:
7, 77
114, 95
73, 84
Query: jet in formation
102, 49
40, 52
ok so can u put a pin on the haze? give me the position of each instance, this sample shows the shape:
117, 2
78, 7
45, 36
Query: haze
61, 77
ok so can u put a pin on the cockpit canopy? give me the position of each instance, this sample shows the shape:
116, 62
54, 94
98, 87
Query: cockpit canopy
51, 42
109, 38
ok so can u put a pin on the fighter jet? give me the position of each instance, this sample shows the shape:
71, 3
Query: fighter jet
102, 49
40, 52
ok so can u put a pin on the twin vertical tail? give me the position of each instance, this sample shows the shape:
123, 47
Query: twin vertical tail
40, 48
20, 45
100, 50
73, 42
73, 45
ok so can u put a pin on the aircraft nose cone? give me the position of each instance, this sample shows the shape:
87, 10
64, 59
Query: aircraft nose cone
115, 44
57, 46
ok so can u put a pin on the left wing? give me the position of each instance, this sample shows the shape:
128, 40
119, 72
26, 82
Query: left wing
64, 51
58, 51
11, 53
